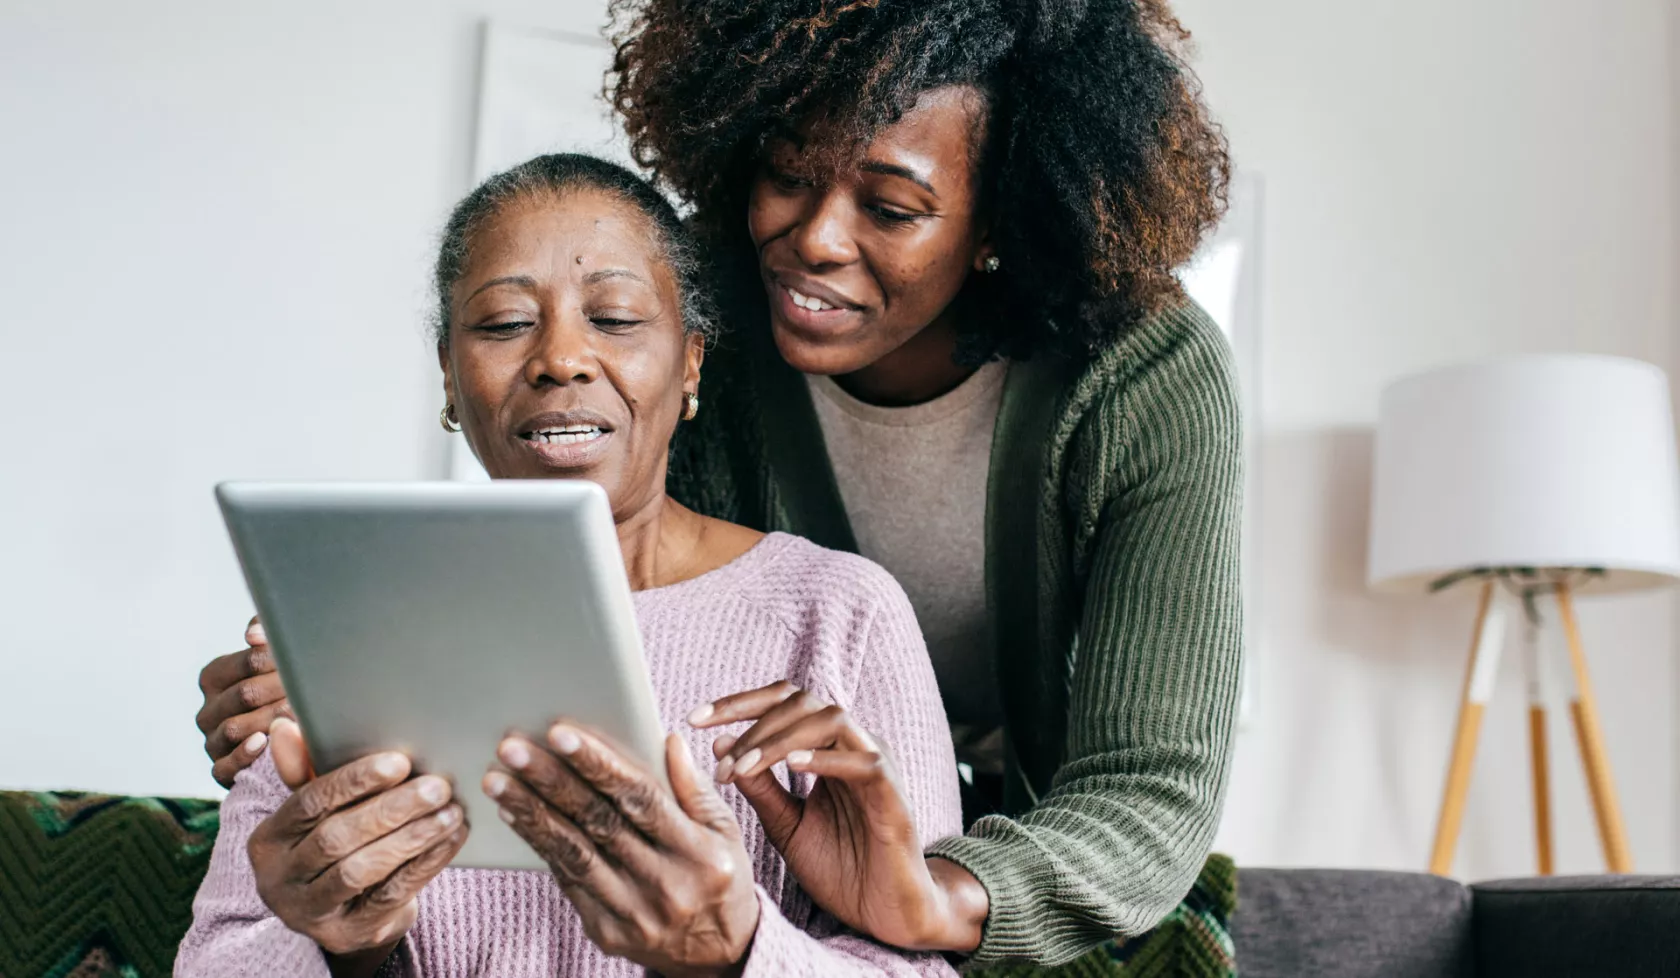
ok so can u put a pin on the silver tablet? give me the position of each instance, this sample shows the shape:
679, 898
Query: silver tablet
433, 618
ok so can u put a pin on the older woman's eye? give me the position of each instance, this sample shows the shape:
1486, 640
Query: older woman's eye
613, 324
502, 328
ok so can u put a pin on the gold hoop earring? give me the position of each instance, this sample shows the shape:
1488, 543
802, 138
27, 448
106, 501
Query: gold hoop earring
693, 406
446, 417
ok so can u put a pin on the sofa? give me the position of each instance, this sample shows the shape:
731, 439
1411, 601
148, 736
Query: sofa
98, 886
1366, 924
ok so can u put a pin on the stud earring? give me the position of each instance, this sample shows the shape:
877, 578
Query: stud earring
446, 417
991, 264
692, 405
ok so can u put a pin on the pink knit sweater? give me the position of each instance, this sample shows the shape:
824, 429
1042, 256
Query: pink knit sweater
832, 623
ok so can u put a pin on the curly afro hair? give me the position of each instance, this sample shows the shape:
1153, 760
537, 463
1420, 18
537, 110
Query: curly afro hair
1101, 169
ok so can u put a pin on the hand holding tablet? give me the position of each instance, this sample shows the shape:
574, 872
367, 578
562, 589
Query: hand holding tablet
434, 619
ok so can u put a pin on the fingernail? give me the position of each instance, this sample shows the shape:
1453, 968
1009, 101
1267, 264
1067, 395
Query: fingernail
256, 634
514, 754
701, 713
798, 758
256, 742
434, 791
564, 740
388, 765
449, 816
744, 766
725, 768
505, 815
495, 784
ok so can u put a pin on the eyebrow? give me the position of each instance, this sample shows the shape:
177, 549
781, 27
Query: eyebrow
895, 170
523, 281
606, 273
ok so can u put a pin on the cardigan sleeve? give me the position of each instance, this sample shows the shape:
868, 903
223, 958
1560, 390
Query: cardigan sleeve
1118, 839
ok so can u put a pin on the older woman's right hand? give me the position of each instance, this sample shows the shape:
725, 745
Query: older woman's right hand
242, 697
344, 859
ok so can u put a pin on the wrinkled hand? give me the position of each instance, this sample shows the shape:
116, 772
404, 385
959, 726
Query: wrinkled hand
242, 697
851, 843
659, 877
344, 859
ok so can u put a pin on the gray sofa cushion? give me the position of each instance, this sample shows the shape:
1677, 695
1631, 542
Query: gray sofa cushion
1562, 926
1303, 923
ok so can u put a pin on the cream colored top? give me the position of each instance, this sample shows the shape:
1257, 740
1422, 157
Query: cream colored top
913, 481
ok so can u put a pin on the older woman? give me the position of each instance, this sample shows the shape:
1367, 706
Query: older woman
571, 338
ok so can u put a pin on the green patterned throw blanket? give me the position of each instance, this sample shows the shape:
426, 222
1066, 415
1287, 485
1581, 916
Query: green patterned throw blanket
101, 886
98, 886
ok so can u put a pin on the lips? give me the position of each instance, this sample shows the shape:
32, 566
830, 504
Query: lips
810, 307
566, 439
809, 294
565, 435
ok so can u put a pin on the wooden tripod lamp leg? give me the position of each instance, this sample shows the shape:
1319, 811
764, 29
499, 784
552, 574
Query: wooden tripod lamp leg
1486, 642
1584, 710
1536, 665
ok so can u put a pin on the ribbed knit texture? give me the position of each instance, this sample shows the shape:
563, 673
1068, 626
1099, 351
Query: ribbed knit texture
1125, 703
832, 623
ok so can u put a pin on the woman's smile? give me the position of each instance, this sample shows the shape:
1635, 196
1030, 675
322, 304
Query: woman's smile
812, 309
566, 440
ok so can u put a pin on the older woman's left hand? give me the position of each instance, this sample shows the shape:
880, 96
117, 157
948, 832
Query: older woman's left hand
659, 877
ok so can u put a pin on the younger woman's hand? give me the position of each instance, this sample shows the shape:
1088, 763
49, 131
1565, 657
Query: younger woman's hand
851, 842
659, 877
242, 697
344, 858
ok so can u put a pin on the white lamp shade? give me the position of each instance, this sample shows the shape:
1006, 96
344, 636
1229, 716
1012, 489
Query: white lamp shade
1536, 461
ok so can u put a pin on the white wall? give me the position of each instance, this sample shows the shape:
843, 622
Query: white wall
1445, 180
1674, 299
215, 221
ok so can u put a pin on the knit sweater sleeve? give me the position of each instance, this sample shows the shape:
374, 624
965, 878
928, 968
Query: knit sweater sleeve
1118, 839
233, 933
896, 698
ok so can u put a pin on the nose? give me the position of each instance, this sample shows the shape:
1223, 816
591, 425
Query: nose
563, 354
823, 236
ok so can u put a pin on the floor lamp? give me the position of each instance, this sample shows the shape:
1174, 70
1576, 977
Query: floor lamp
1532, 479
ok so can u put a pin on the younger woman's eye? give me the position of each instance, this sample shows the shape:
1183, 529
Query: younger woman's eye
892, 215
787, 180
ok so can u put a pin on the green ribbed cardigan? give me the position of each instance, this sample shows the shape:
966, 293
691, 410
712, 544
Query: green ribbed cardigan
1112, 571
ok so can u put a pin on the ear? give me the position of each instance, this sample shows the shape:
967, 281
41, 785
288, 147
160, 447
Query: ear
982, 252
448, 375
694, 354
